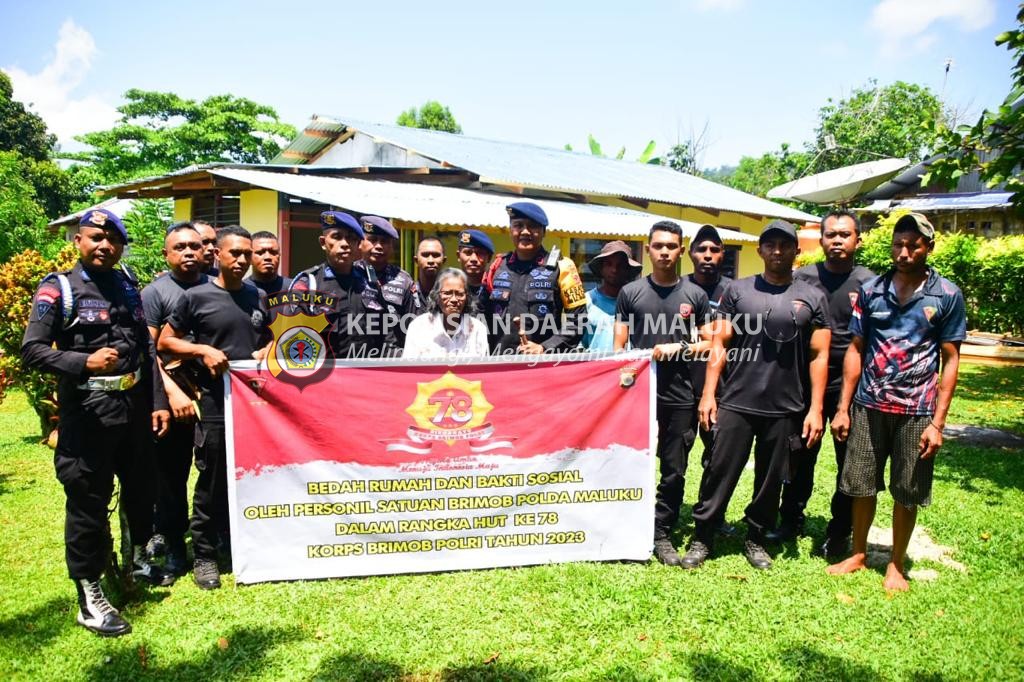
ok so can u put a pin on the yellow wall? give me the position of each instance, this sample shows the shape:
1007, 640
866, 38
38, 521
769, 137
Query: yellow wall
182, 209
258, 210
749, 263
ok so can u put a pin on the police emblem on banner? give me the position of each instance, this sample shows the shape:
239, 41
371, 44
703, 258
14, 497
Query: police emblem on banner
299, 353
449, 409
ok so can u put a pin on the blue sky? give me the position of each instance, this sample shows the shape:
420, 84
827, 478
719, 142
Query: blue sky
545, 73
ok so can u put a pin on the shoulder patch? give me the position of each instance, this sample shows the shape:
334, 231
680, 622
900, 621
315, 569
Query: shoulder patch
46, 296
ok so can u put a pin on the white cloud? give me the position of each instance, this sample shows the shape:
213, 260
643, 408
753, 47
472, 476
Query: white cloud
717, 5
50, 93
903, 24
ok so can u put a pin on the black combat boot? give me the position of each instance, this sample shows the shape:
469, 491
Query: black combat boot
95, 612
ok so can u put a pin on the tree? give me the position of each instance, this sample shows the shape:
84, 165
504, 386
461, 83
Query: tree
22, 219
646, 156
147, 225
21, 130
874, 122
758, 175
994, 145
24, 133
160, 132
431, 116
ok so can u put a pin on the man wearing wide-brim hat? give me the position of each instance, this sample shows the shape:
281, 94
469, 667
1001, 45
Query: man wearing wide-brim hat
614, 267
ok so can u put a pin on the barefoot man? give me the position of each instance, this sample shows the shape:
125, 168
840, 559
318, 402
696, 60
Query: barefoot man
902, 323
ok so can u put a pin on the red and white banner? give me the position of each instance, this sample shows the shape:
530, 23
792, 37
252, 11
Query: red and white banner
406, 468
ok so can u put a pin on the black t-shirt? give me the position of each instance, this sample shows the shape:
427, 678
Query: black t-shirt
657, 314
234, 322
274, 286
767, 369
698, 367
841, 291
160, 298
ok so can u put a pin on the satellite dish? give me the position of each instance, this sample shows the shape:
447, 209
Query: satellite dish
840, 185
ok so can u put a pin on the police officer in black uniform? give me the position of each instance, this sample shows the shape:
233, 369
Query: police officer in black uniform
88, 327
394, 305
338, 278
535, 286
475, 252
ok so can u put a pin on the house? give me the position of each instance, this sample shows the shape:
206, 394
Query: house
431, 182
971, 208
69, 222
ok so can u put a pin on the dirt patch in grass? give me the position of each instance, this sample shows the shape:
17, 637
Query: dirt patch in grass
921, 548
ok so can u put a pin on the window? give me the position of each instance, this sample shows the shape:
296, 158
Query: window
219, 210
583, 250
303, 232
731, 261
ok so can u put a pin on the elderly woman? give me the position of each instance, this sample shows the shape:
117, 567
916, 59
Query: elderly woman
448, 328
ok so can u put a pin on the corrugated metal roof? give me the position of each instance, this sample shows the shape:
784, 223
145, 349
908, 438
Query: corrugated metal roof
318, 134
116, 206
972, 201
556, 169
455, 206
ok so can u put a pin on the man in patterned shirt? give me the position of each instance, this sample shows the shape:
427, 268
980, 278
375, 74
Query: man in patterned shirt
902, 323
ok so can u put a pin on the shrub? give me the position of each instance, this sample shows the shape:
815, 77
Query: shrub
990, 272
18, 280
996, 285
809, 257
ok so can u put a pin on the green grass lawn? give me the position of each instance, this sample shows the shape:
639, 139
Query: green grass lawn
570, 621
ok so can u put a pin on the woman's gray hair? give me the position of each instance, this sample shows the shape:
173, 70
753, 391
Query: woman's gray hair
434, 298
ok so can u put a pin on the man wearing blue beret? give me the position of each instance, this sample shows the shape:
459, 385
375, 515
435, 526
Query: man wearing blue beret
338, 277
531, 290
87, 326
394, 305
475, 252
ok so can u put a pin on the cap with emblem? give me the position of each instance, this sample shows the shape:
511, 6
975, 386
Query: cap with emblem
376, 225
778, 227
706, 233
332, 220
476, 238
105, 220
916, 221
528, 210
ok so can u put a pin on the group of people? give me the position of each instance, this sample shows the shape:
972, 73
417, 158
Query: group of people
759, 361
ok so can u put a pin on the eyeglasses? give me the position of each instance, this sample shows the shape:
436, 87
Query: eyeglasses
458, 295
781, 329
